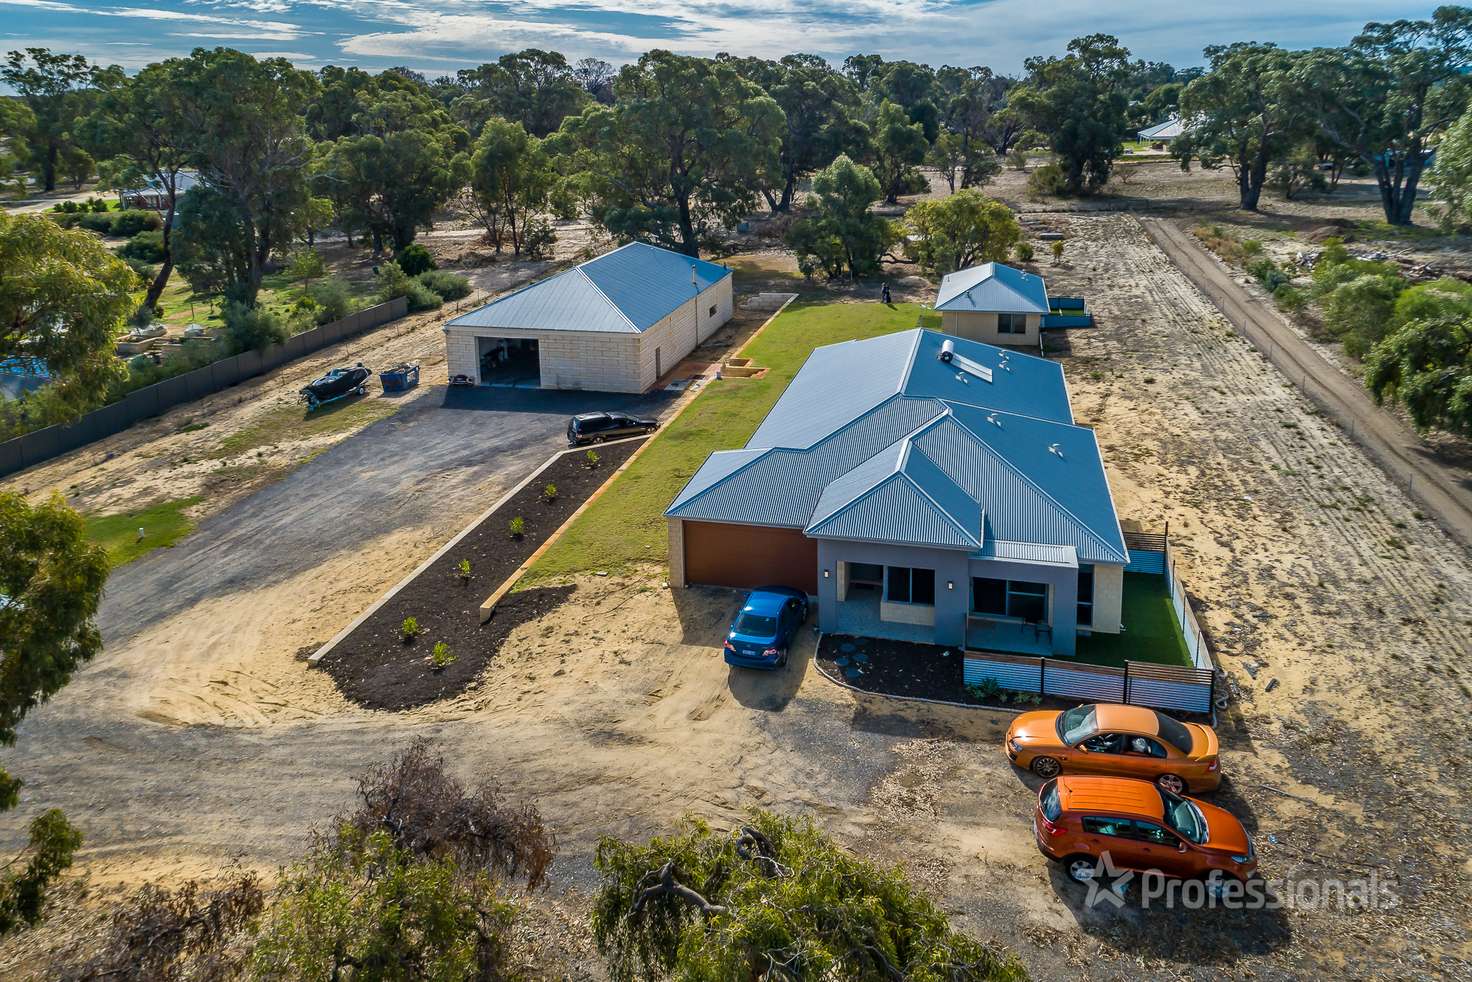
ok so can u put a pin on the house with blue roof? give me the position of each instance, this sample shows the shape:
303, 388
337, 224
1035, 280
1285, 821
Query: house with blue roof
924, 487
616, 323
993, 303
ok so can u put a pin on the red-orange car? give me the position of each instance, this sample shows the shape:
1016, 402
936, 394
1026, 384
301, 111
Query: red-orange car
1129, 741
1141, 826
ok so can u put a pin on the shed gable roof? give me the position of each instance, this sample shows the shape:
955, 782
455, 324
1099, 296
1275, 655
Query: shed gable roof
626, 291
993, 287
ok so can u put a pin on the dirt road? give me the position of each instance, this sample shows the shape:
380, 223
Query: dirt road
1444, 491
1342, 619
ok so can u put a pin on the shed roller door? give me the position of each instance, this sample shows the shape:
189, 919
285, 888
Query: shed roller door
718, 554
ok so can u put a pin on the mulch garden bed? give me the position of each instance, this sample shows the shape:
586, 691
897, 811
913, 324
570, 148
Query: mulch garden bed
907, 668
377, 669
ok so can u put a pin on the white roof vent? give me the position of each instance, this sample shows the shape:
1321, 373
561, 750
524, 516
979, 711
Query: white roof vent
1056, 450
992, 419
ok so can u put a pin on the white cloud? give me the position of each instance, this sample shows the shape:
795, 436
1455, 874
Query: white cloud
275, 30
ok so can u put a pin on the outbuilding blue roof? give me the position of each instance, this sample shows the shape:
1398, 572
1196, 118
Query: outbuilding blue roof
993, 288
626, 291
909, 453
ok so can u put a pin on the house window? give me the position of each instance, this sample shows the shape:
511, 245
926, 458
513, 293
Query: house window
712, 310
1085, 595
909, 585
1010, 598
1011, 323
865, 575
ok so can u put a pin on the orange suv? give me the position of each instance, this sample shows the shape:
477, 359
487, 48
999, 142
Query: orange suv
1141, 826
1106, 738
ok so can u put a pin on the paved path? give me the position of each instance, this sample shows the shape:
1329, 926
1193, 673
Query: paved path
1444, 491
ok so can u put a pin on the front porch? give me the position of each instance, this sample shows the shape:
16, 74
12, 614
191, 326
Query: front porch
1009, 637
859, 615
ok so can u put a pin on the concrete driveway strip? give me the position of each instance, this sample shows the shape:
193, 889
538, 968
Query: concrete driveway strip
436, 456
1444, 491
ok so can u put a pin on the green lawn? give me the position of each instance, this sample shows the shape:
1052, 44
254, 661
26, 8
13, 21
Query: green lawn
163, 524
1151, 633
293, 422
626, 526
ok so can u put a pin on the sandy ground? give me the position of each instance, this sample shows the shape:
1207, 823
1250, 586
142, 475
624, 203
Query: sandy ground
1342, 618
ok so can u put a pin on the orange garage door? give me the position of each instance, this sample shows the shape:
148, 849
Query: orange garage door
717, 554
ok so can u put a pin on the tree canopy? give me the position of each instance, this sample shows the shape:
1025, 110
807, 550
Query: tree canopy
51, 581
1245, 112
52, 88
63, 302
1079, 101
959, 231
685, 148
842, 236
774, 898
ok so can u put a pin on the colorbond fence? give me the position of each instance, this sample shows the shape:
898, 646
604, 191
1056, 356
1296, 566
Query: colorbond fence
1184, 689
1190, 690
153, 400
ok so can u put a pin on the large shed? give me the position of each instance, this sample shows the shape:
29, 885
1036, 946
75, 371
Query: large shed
616, 323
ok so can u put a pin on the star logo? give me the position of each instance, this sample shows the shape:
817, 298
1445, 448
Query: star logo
1108, 884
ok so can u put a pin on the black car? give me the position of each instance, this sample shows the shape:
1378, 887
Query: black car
597, 427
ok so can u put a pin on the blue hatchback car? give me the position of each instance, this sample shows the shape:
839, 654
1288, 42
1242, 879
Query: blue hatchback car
763, 630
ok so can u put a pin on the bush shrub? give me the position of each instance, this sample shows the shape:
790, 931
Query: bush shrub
252, 328
334, 299
1047, 181
414, 259
422, 297
1024, 252
129, 223
550, 492
441, 657
517, 527
449, 286
147, 246
409, 630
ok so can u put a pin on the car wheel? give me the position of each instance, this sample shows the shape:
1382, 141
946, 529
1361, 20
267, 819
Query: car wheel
1046, 767
597, 439
1171, 783
648, 430
1081, 869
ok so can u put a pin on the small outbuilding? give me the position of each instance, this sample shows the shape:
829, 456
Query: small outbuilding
616, 323
994, 304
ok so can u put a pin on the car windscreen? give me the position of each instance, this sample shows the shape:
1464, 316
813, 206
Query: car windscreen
1184, 817
1174, 733
756, 625
1076, 725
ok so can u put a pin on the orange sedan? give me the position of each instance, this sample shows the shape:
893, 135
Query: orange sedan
1127, 741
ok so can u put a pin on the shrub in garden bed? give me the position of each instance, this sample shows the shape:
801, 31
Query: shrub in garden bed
375, 668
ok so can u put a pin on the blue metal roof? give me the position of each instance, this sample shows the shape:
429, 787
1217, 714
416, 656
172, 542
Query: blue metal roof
993, 288
625, 291
931, 465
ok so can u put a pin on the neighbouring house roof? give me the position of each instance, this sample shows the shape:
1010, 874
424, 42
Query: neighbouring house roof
183, 182
626, 291
1168, 130
879, 440
993, 288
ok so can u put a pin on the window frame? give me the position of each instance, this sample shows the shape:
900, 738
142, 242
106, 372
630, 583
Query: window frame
909, 572
1011, 323
1085, 613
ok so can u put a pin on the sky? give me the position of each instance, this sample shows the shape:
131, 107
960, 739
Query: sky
439, 36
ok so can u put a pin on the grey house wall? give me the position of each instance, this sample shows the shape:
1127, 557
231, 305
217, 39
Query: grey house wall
953, 572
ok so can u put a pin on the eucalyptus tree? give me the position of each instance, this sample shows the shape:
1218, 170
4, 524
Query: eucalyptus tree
685, 148
1390, 95
1079, 101
51, 86
1246, 113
